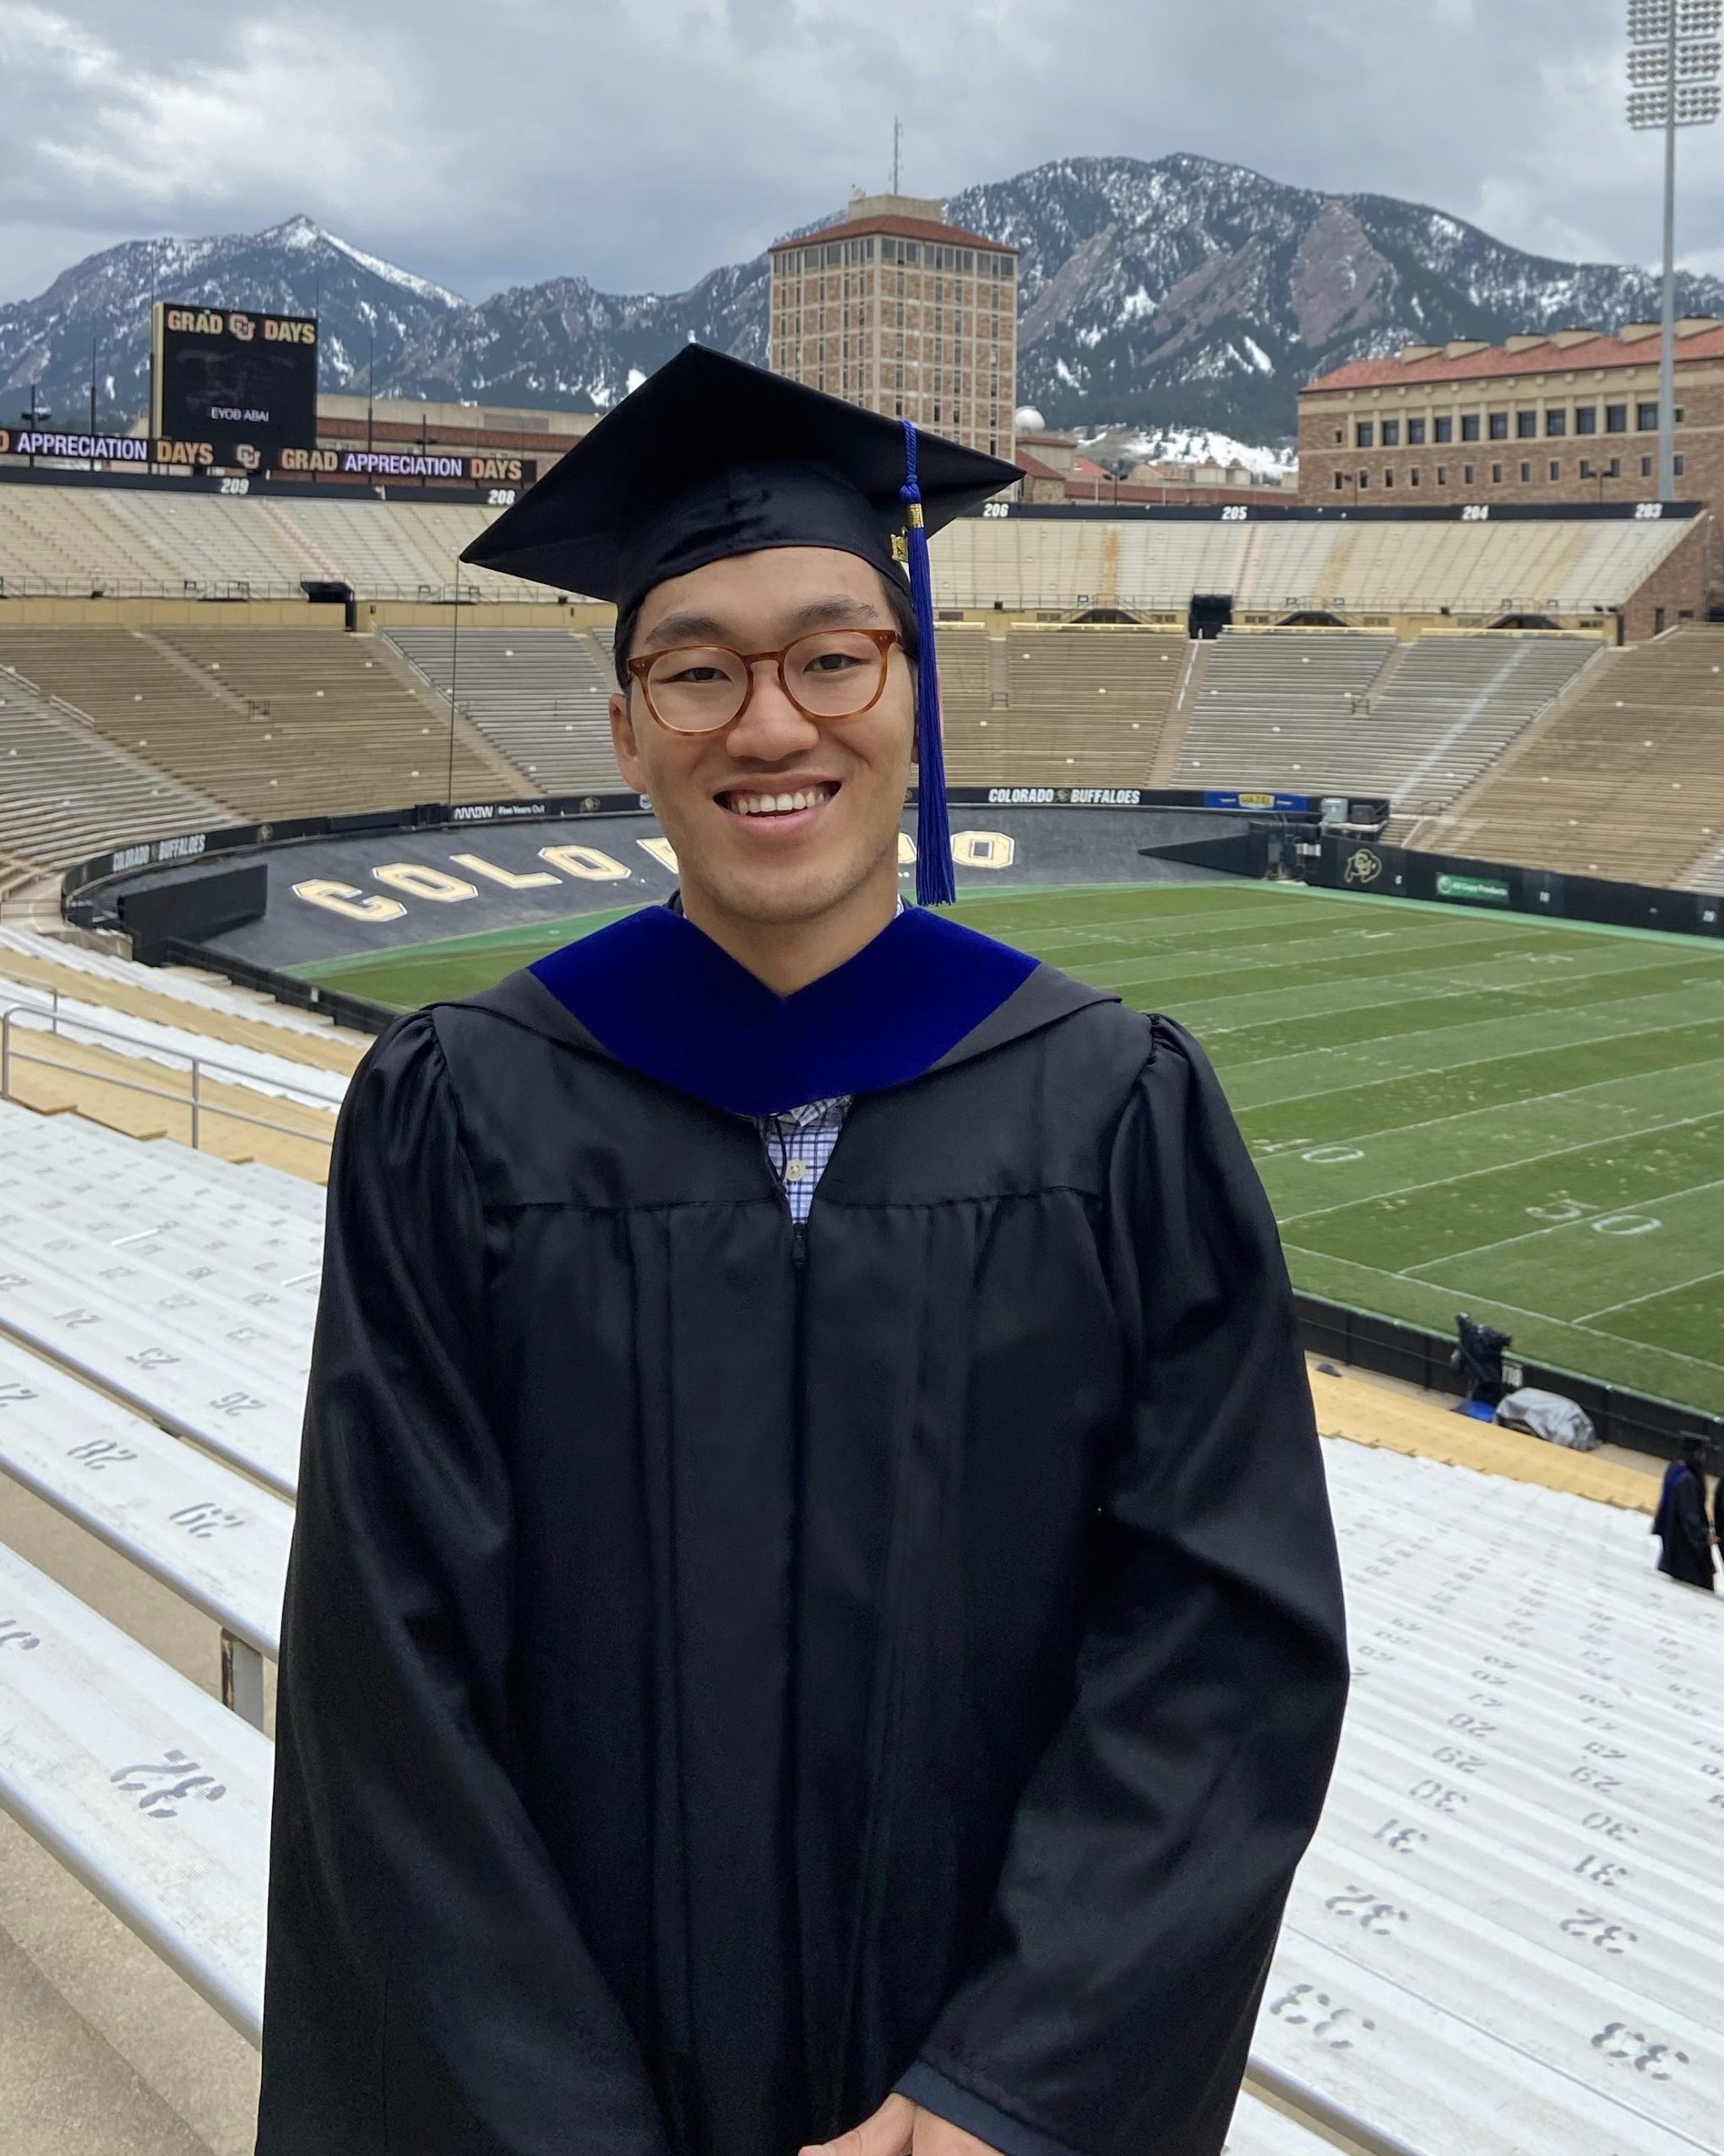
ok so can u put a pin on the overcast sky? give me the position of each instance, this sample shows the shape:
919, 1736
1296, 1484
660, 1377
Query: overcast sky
639, 142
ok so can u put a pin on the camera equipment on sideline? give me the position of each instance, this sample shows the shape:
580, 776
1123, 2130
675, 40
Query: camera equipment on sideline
1479, 1359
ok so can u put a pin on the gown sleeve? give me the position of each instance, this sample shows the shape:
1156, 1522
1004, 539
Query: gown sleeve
1110, 2008
426, 1986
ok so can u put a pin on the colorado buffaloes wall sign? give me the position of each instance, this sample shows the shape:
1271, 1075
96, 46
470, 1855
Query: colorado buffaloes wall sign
1363, 866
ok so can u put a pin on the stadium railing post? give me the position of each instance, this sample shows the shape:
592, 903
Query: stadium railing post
196, 1074
243, 1679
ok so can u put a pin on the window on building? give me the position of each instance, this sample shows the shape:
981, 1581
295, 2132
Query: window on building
1556, 468
1499, 426
1391, 433
1442, 427
1646, 417
1526, 474
1364, 481
1616, 469
1616, 419
1586, 419
1389, 479
1412, 477
1585, 467
1556, 422
1469, 426
1646, 468
1526, 426
1680, 464
1364, 435
1340, 435
1467, 472
1340, 481
1496, 475
1442, 475
1415, 433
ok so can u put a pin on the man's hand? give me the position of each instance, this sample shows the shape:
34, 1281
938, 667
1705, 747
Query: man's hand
901, 2128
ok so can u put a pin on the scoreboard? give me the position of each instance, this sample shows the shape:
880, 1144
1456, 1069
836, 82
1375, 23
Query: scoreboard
243, 385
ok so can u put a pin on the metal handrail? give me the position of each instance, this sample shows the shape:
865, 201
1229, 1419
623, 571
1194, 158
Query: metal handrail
198, 1066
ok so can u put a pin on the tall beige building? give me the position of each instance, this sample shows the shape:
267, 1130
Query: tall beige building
893, 310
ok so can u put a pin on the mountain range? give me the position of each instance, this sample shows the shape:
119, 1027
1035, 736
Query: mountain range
1177, 292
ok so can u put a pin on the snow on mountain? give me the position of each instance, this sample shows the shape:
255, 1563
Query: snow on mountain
100, 309
1180, 296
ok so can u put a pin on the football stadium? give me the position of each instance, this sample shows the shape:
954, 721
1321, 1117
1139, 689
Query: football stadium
1415, 818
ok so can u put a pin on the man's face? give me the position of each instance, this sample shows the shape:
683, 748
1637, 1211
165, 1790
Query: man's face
778, 866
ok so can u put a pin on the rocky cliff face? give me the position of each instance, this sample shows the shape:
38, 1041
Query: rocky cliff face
1179, 292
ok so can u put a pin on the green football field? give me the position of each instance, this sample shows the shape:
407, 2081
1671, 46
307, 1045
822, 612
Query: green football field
1450, 1109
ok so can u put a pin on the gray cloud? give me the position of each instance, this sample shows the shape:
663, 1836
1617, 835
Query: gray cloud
642, 141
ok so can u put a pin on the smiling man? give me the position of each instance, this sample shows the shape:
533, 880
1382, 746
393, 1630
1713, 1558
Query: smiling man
813, 1615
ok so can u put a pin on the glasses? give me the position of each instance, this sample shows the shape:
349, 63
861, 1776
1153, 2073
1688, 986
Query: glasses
834, 674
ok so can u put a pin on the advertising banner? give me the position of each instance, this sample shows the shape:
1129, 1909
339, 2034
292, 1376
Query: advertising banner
444, 465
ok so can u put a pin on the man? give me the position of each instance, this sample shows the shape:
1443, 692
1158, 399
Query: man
813, 1609
1685, 1543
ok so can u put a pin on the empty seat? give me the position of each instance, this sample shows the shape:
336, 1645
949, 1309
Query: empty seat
1626, 782
542, 695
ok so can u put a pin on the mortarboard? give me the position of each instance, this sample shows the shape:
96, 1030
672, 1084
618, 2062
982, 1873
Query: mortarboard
712, 457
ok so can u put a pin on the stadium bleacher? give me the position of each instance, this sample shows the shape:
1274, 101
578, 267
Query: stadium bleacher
1076, 706
1350, 567
266, 722
1337, 710
165, 541
65, 791
542, 695
1280, 708
1626, 781
1438, 1973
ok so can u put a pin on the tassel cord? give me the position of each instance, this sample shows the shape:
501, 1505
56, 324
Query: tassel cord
935, 882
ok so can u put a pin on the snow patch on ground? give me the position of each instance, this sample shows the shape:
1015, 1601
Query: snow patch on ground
1194, 445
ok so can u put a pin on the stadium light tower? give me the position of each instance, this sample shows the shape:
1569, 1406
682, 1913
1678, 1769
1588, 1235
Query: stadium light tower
1674, 58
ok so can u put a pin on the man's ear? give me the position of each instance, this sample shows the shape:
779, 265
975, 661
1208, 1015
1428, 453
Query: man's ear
628, 760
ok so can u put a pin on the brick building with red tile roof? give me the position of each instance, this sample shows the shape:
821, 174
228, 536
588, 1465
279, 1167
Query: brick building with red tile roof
1543, 421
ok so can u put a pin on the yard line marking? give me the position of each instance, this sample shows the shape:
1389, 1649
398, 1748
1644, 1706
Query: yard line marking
1450, 975
1676, 1288
1504, 1167
1415, 949
1519, 1309
1445, 991
1527, 1100
1555, 1228
1481, 1062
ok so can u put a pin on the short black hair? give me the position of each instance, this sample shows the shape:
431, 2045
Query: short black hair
898, 602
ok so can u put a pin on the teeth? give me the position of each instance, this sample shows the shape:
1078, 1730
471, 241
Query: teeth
779, 804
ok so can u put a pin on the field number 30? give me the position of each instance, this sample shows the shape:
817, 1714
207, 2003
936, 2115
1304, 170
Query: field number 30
1563, 1210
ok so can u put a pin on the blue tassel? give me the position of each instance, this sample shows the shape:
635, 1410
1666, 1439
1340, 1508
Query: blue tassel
935, 885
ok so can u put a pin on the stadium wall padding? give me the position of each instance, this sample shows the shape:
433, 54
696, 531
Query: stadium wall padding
1394, 871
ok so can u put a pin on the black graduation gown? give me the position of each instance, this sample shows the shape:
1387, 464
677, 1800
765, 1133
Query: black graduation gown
1685, 1549
727, 1669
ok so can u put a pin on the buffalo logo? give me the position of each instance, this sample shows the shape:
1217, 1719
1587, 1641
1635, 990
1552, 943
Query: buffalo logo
1062, 793
1363, 866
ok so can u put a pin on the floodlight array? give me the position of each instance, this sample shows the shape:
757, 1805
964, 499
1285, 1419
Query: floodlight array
1697, 106
1649, 21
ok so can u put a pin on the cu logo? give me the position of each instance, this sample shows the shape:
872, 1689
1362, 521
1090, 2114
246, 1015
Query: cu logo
1363, 866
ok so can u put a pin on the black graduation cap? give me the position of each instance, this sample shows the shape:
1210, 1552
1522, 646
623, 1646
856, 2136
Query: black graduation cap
712, 457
